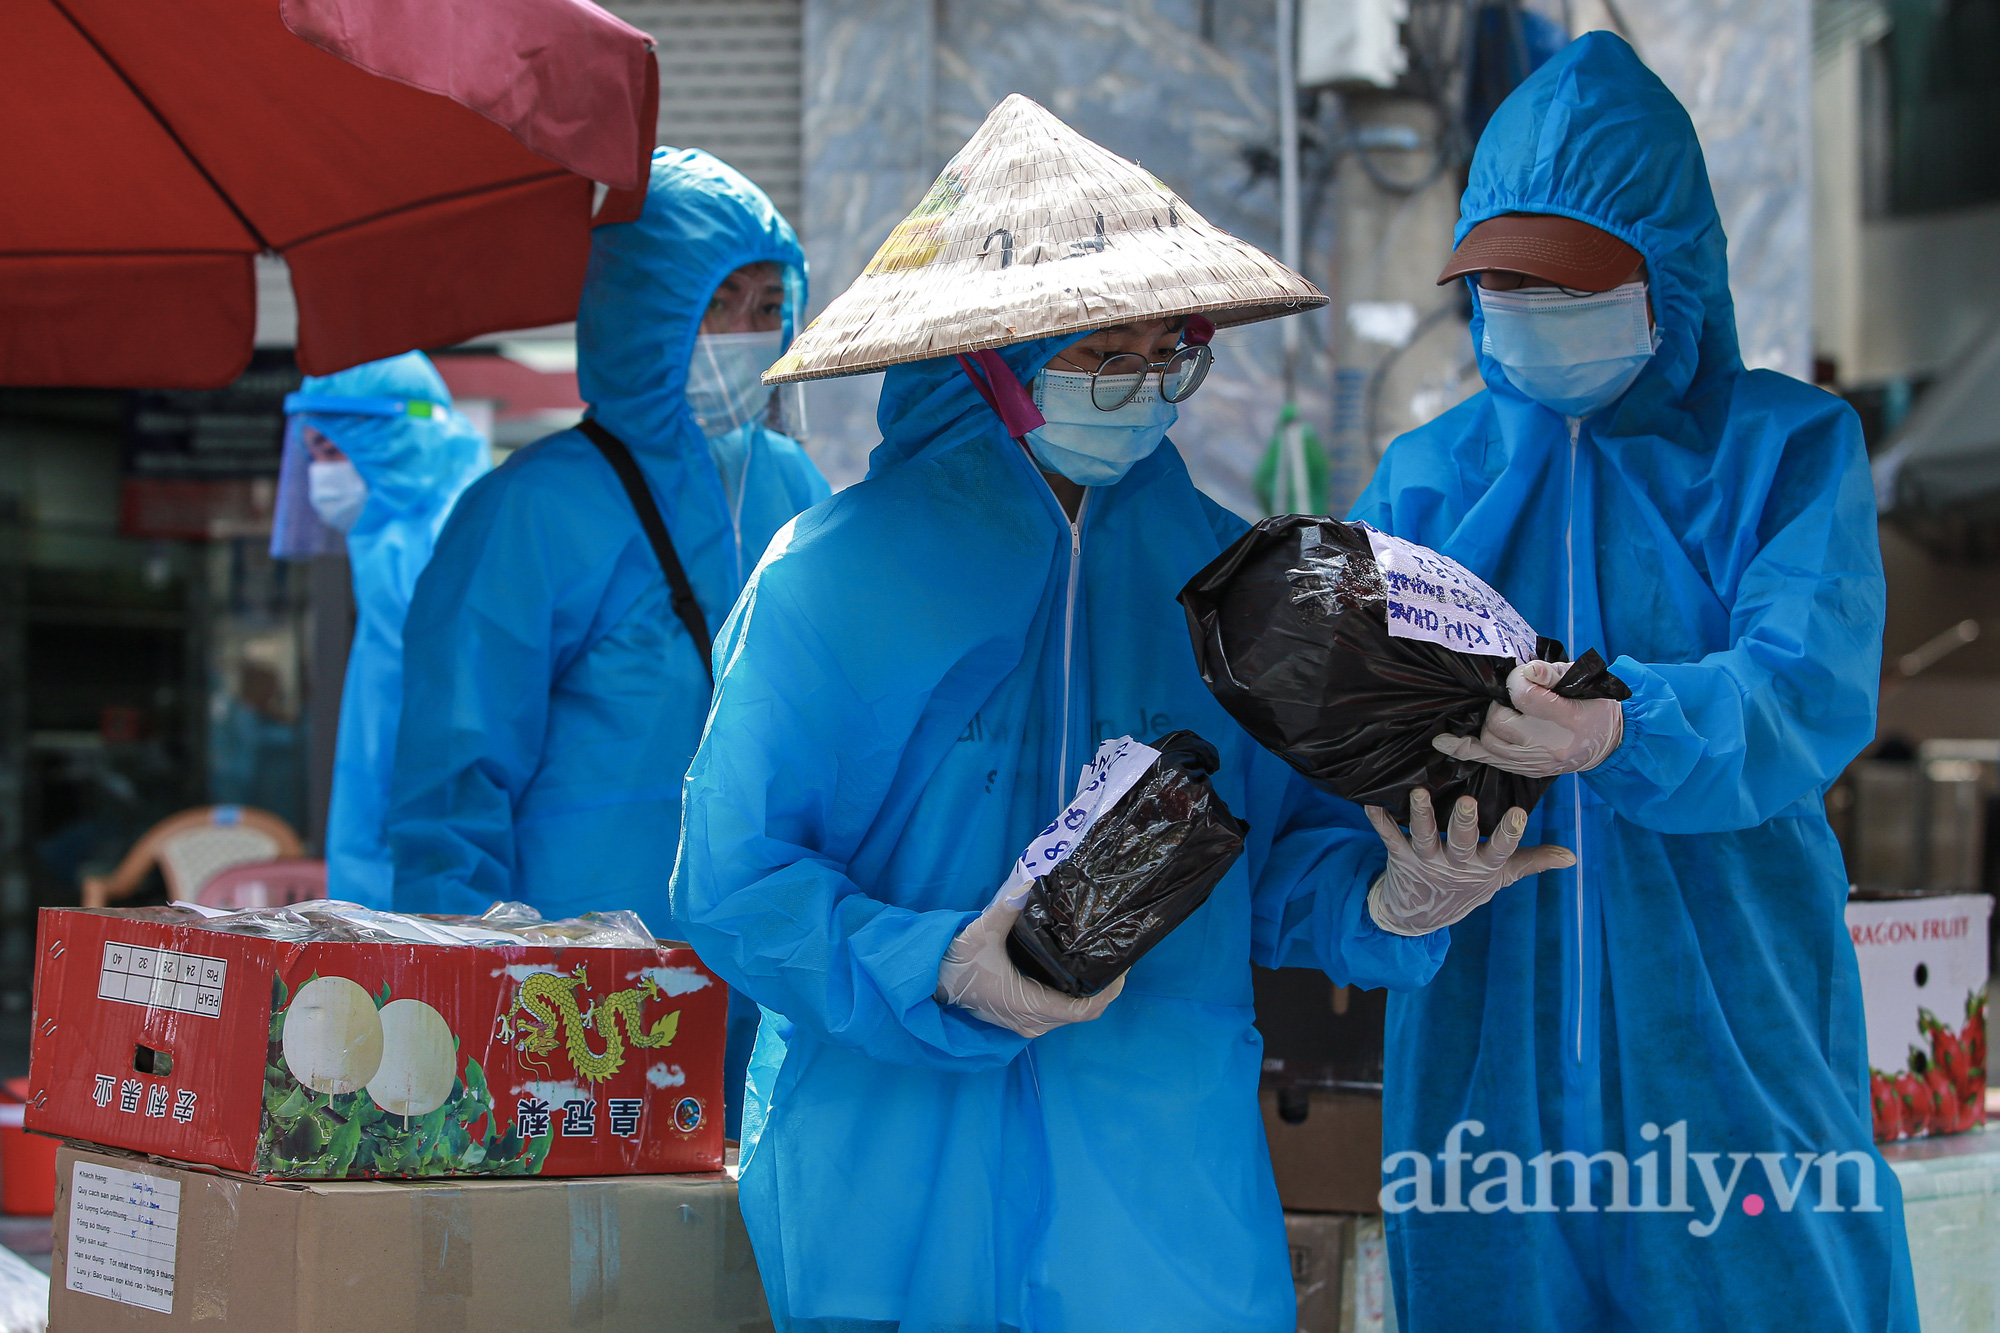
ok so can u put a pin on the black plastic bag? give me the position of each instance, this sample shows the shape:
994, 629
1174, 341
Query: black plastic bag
1140, 870
1291, 633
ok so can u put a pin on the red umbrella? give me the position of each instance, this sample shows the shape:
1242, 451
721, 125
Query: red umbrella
154, 149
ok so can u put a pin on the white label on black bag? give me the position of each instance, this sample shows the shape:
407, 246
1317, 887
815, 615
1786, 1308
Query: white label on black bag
1434, 598
1117, 766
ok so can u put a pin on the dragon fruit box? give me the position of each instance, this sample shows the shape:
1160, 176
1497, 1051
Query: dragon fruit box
328, 1041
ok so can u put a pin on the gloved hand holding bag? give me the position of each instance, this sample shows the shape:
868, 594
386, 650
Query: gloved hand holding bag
1138, 851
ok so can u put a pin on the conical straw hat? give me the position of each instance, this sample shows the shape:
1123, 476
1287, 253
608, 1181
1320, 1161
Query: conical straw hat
1034, 230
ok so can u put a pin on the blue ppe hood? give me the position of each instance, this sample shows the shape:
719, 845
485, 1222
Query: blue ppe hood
649, 284
555, 697
1690, 988
394, 418
906, 692
1594, 135
416, 463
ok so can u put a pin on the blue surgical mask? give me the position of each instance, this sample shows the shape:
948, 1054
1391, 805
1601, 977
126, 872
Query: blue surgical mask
337, 492
1090, 447
1572, 354
725, 387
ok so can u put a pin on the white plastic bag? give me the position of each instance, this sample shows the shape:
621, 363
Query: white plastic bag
24, 1295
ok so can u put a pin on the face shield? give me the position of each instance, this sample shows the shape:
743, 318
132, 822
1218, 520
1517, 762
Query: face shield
788, 401
297, 530
724, 387
724, 381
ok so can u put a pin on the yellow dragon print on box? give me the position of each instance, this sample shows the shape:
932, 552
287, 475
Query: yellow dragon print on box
545, 1014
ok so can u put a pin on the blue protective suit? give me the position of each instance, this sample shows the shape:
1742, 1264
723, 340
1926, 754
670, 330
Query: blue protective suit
912, 681
1713, 533
553, 696
415, 468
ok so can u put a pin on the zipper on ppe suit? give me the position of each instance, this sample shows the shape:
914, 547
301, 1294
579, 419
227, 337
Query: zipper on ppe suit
1576, 779
735, 509
1063, 789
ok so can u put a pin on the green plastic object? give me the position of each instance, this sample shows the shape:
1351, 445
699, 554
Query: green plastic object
1278, 498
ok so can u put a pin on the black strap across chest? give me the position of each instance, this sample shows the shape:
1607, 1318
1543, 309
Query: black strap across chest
685, 606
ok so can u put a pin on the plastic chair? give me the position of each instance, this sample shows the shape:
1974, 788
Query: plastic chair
264, 884
192, 847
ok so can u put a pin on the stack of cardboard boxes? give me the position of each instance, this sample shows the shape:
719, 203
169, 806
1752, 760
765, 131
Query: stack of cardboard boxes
1322, 1101
342, 1130
1328, 1162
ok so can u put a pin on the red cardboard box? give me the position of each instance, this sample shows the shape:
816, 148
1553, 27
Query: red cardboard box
335, 1059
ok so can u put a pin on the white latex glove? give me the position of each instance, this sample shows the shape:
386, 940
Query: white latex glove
1429, 883
1543, 735
978, 975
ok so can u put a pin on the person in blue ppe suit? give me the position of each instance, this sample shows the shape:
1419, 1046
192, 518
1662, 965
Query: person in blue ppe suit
1684, 1009
555, 696
907, 691
383, 456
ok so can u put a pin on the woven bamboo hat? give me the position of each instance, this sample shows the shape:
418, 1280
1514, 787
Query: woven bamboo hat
1034, 230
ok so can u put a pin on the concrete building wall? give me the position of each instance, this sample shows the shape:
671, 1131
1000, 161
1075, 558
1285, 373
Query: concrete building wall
1894, 297
894, 87
1188, 88
1743, 69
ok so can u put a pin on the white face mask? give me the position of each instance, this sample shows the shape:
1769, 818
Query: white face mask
1090, 447
337, 492
1572, 354
724, 388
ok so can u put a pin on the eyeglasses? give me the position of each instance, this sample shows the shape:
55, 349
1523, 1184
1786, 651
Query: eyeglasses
1122, 378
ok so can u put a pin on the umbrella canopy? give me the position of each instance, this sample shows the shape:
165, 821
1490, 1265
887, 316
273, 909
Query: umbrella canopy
153, 150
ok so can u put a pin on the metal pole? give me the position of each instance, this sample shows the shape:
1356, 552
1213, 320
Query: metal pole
1293, 457
329, 635
1288, 134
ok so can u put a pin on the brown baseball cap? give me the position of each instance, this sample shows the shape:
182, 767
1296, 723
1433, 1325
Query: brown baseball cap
1555, 249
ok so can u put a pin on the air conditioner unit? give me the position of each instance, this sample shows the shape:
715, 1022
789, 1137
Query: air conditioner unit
1351, 42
